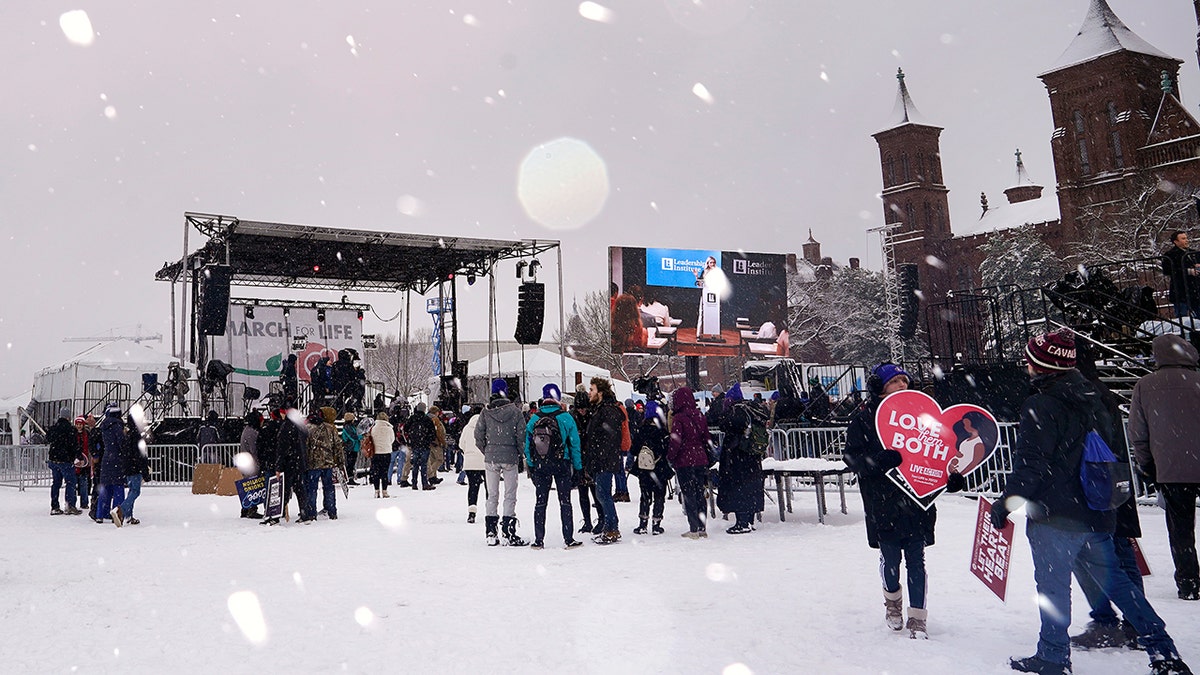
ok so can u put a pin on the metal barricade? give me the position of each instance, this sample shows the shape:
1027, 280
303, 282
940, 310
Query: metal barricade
801, 442
23, 466
172, 464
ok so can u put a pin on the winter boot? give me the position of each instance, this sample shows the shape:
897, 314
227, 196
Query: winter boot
55, 511
1099, 636
1034, 664
118, 516
893, 604
509, 528
377, 493
471, 514
489, 524
916, 623
1169, 667
657, 528
641, 528
385, 494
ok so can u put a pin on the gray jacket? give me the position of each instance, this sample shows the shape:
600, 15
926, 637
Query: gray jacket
500, 432
1164, 424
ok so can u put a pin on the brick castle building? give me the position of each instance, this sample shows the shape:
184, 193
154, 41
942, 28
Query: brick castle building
1117, 120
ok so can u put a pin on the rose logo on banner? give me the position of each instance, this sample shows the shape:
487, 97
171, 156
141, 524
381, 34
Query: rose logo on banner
933, 442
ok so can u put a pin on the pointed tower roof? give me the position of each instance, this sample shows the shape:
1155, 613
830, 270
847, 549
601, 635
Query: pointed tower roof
904, 112
810, 238
1103, 33
1172, 121
1025, 189
1022, 175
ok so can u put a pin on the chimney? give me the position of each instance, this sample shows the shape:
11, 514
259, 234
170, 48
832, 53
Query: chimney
854, 263
825, 268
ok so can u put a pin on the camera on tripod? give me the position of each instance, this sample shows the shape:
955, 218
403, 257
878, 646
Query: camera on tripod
647, 385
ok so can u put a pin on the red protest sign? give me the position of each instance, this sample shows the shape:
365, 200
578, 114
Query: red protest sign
932, 441
992, 551
1143, 565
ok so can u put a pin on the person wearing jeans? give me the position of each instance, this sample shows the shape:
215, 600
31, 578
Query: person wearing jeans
1062, 528
556, 468
325, 451
64, 449
603, 452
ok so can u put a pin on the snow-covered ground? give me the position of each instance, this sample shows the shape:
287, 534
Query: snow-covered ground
405, 585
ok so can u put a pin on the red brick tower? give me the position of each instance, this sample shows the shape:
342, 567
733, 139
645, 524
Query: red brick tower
1105, 91
914, 197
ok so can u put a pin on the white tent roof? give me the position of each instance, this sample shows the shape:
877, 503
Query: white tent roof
10, 405
543, 366
119, 360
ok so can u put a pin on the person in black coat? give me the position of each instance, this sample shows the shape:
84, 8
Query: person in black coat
289, 383
602, 454
1181, 265
291, 445
740, 477
653, 436
896, 525
114, 448
136, 470
581, 410
64, 450
1104, 630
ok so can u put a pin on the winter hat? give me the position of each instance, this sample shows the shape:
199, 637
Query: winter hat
382, 416
328, 414
652, 410
420, 409
886, 372
717, 389
80, 420
212, 414
348, 417
499, 386
113, 409
64, 413
735, 393
551, 392
1052, 352
775, 396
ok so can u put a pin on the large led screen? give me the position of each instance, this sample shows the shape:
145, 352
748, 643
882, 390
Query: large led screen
691, 302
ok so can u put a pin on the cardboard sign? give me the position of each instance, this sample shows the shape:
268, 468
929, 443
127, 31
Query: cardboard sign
992, 551
273, 499
252, 491
932, 441
205, 478
339, 477
227, 485
1143, 565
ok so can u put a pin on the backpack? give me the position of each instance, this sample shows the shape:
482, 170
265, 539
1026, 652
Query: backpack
1105, 487
546, 442
646, 459
368, 446
755, 438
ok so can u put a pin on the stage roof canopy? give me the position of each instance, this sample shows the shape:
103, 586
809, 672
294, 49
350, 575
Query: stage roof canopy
280, 255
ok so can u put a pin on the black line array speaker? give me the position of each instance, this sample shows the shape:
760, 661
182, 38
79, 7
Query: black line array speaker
214, 298
909, 283
531, 312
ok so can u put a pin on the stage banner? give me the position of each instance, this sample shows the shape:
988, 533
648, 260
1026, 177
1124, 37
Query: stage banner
933, 442
257, 347
992, 551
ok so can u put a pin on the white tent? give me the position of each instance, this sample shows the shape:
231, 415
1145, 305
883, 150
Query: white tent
540, 367
10, 419
121, 361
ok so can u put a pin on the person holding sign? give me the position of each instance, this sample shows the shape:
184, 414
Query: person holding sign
896, 525
1062, 526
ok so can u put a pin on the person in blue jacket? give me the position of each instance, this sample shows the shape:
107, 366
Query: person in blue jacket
115, 446
552, 460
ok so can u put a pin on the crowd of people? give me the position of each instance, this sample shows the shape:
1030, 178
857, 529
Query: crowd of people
100, 466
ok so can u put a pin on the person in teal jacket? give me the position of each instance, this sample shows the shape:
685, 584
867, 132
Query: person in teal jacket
552, 453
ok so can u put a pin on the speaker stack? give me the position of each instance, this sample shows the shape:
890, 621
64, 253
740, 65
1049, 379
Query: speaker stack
531, 312
214, 298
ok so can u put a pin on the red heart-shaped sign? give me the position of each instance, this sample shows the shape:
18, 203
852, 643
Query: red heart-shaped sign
932, 441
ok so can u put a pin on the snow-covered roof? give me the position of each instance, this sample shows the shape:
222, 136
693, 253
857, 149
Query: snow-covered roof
905, 111
115, 355
1032, 212
1103, 33
10, 405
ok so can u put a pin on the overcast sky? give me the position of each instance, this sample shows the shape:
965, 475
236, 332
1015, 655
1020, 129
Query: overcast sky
719, 123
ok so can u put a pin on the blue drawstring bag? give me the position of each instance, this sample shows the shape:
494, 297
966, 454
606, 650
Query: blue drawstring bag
1105, 485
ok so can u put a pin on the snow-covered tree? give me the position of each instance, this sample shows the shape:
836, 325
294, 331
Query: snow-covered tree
846, 313
402, 367
1135, 226
1018, 257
